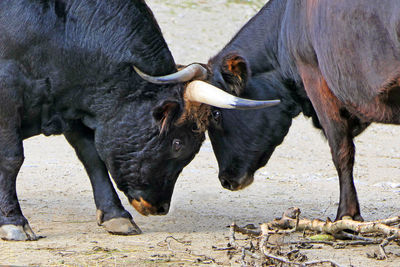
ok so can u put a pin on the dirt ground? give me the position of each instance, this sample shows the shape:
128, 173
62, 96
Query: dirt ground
56, 195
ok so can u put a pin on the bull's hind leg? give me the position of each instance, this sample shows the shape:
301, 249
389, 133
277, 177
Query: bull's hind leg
339, 128
110, 212
13, 225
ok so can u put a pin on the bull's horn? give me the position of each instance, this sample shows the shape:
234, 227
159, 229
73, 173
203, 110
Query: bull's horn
191, 72
203, 92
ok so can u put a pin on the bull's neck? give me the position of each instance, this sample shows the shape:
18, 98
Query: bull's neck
118, 31
258, 40
100, 42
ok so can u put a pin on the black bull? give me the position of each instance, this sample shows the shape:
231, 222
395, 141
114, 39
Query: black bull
343, 56
66, 67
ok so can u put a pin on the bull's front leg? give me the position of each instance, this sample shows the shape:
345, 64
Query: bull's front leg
339, 129
110, 212
342, 149
13, 224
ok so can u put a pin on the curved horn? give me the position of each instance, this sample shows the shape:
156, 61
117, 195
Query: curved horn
191, 72
206, 93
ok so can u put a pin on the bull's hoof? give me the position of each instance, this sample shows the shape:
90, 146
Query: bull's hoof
17, 233
357, 217
354, 218
121, 226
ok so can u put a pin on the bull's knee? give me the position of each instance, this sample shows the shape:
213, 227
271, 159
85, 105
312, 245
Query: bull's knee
11, 162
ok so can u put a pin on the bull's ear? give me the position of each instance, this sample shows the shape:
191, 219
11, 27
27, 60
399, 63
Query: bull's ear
165, 114
235, 71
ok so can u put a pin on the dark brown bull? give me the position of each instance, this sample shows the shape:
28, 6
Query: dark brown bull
347, 54
344, 54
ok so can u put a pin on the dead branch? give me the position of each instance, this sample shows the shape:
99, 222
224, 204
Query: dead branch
234, 244
200, 257
244, 230
251, 254
309, 263
345, 235
336, 243
390, 221
280, 259
384, 244
222, 249
289, 221
232, 239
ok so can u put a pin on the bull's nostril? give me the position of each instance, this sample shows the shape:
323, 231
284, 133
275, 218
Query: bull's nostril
163, 209
225, 184
160, 210
234, 185
229, 184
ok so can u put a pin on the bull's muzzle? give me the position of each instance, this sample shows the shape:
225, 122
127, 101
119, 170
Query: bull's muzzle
237, 183
145, 208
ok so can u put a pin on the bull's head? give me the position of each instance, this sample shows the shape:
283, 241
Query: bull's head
242, 141
146, 158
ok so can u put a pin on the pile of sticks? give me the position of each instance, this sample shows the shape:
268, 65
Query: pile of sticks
347, 231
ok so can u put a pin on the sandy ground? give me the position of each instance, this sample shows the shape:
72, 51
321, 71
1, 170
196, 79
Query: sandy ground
56, 196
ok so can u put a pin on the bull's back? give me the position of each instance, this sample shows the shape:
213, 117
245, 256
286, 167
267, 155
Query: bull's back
30, 31
356, 46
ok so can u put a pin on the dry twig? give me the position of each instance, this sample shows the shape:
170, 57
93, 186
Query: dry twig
384, 243
244, 230
336, 243
289, 221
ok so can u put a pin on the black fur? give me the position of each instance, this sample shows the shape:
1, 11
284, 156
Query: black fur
243, 141
66, 67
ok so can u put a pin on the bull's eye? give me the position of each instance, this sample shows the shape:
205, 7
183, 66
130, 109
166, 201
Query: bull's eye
216, 114
177, 145
195, 128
